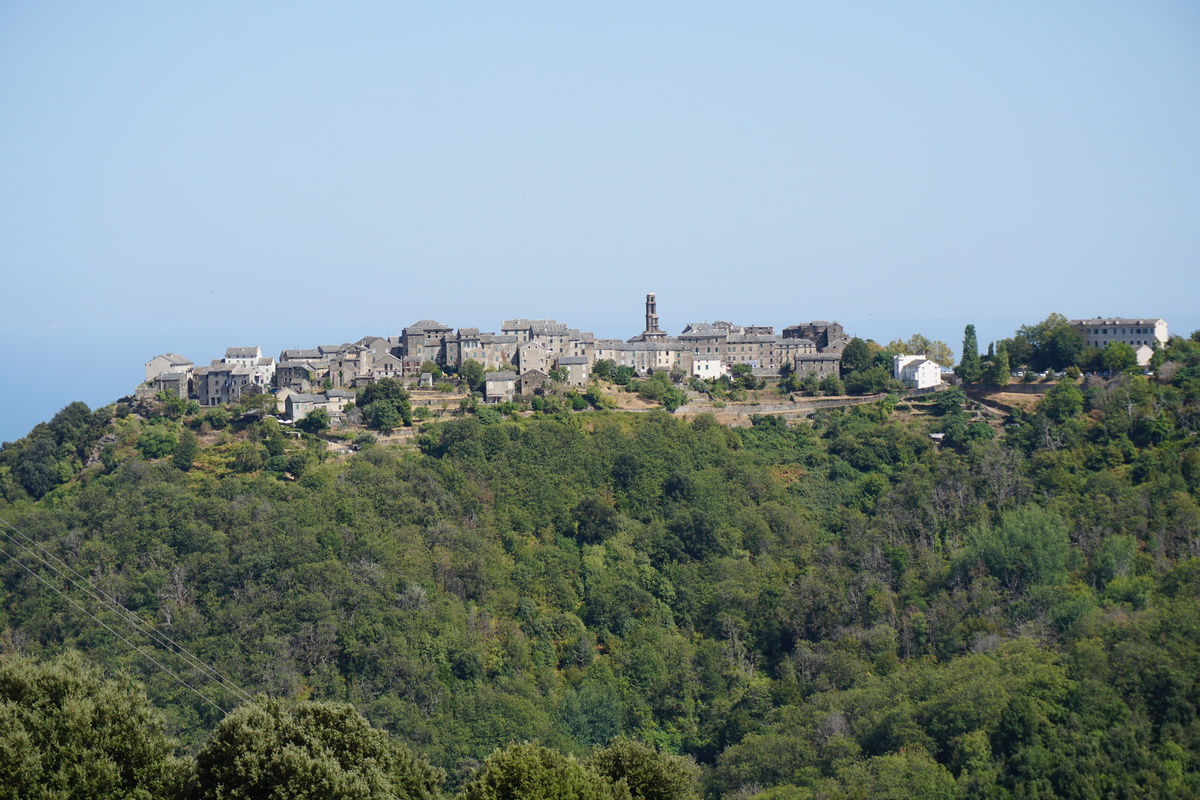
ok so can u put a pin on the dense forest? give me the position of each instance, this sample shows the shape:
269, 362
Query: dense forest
841, 607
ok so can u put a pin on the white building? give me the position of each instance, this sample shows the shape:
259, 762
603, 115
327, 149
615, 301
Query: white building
707, 366
1134, 332
916, 372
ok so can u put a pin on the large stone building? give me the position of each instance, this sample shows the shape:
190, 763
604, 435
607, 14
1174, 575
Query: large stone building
1134, 332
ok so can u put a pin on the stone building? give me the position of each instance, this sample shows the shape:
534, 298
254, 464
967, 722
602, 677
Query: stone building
499, 387
168, 362
1134, 332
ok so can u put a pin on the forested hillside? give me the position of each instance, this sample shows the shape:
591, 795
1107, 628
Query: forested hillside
836, 608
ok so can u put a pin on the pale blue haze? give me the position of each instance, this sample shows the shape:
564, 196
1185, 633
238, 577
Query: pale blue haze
187, 176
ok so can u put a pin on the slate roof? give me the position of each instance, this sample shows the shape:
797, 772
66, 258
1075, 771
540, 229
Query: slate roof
422, 325
174, 359
300, 354
1114, 321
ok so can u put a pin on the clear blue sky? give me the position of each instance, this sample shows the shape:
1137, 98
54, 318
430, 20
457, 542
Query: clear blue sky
187, 176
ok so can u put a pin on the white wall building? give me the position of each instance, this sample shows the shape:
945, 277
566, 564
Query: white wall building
916, 372
1134, 332
707, 366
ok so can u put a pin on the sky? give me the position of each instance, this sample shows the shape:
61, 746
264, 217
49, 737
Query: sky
182, 177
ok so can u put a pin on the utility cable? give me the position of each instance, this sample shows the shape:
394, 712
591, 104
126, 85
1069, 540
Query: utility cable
141, 652
160, 638
100, 596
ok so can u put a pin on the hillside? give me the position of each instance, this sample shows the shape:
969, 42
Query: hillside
838, 607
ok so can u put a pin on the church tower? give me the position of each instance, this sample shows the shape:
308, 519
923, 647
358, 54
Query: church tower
652, 332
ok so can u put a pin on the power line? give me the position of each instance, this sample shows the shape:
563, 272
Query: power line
160, 638
131, 618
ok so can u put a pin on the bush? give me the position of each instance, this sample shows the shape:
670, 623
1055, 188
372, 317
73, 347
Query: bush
157, 442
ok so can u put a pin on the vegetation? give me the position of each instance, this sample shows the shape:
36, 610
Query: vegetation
621, 605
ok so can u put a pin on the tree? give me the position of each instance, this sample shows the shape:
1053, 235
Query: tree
672, 399
949, 401
918, 344
314, 421
1118, 356
831, 385
811, 384
970, 369
1064, 401
472, 374
604, 369
1050, 344
384, 416
66, 731
36, 468
869, 381
997, 369
185, 451
650, 774
248, 457
856, 356
894, 776
385, 404
267, 750
157, 442
530, 772
1029, 547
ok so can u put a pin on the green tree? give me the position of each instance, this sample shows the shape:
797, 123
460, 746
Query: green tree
604, 369
831, 385
672, 399
531, 772
811, 384
1050, 344
918, 344
1029, 547
35, 465
268, 750
314, 421
68, 732
970, 369
650, 774
248, 457
997, 370
185, 451
157, 441
894, 776
383, 416
1064, 401
949, 401
856, 356
472, 374
217, 418
385, 404
869, 381
1118, 356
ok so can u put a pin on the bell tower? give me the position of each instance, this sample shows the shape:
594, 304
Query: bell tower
652, 331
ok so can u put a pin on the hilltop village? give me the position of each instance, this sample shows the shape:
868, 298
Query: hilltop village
522, 358
529, 354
